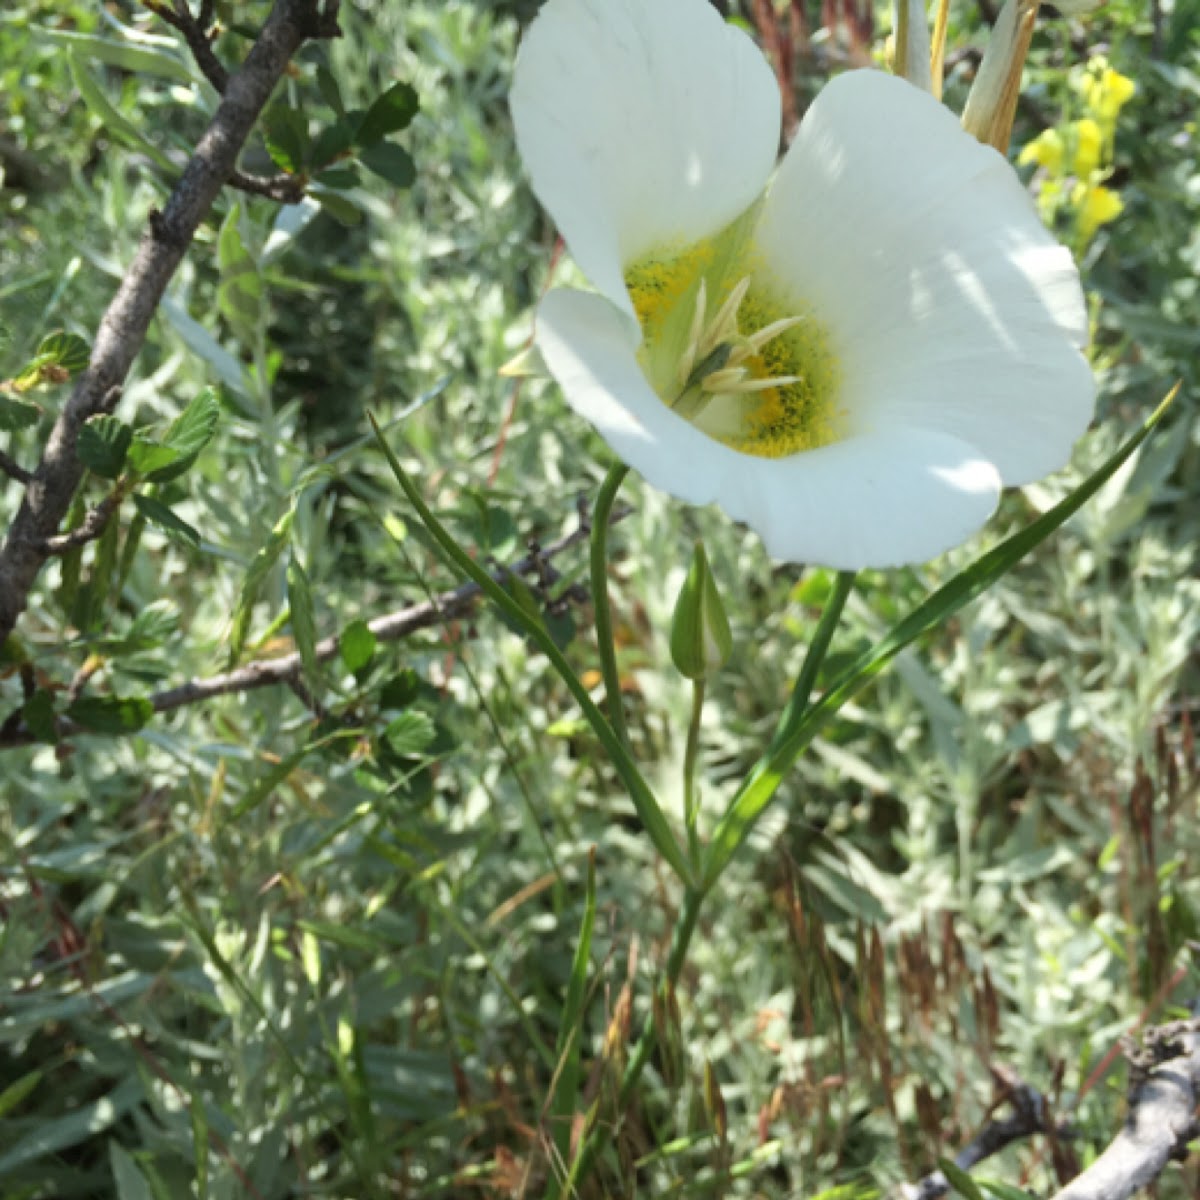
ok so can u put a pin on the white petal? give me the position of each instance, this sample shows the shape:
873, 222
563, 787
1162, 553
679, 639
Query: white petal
949, 304
876, 500
642, 123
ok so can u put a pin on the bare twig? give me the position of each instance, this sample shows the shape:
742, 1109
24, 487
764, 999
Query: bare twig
1163, 1096
1030, 1115
14, 470
285, 188
1161, 1120
287, 669
196, 33
122, 331
89, 529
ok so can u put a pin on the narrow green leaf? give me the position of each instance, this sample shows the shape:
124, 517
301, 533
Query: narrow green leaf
959, 1180
571, 1024
94, 598
86, 1122
200, 1145
175, 527
133, 539
644, 801
240, 289
390, 113
304, 625
111, 714
137, 60
116, 125
327, 85
356, 646
103, 444
1004, 1191
256, 575
391, 162
71, 564
310, 957
758, 789
12, 1095
131, 1183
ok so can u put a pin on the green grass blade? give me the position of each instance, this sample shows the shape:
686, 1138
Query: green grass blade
570, 1030
756, 793
652, 817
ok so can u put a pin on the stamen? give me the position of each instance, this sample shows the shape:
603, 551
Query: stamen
768, 333
721, 381
724, 324
739, 386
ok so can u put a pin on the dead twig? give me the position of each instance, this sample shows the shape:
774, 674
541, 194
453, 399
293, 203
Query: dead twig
288, 668
1030, 1115
1164, 1091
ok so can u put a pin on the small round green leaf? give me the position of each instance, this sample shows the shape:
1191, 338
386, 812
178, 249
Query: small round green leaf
356, 645
103, 445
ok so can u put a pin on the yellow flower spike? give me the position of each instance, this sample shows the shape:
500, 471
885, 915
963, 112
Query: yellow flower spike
1094, 206
1046, 150
1105, 90
1114, 90
1088, 145
913, 56
993, 100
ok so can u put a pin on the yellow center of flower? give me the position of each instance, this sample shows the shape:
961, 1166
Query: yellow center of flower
726, 351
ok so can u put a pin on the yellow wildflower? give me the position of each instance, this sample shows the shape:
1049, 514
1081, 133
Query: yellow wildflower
1105, 91
1088, 141
1046, 150
1094, 206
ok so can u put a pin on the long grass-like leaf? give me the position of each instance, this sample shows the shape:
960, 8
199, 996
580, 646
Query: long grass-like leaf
756, 793
648, 810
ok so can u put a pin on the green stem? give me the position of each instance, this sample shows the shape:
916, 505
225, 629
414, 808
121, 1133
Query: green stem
797, 704
759, 786
592, 1142
604, 627
685, 925
651, 815
691, 754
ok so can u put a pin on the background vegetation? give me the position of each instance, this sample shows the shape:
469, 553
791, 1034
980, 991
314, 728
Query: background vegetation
316, 941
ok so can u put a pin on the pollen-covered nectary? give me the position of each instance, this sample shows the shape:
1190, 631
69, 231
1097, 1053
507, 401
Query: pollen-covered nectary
724, 350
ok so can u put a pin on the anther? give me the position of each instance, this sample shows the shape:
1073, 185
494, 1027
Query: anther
768, 333
732, 387
724, 324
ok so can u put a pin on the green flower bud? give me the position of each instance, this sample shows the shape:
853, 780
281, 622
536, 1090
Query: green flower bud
700, 639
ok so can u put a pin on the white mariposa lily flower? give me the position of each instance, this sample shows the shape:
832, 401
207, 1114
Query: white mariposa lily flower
854, 363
